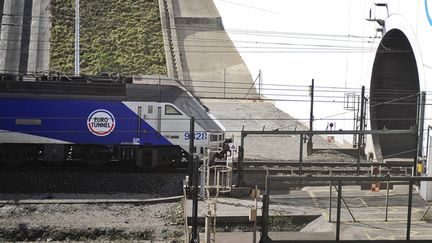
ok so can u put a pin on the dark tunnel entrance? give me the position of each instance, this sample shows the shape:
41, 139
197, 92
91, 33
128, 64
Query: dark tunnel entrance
393, 95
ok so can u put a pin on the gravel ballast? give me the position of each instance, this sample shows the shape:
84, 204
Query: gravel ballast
90, 222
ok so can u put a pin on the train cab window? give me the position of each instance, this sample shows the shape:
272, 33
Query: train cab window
213, 138
170, 110
201, 150
150, 109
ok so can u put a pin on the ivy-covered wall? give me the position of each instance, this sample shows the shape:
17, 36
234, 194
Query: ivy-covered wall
118, 36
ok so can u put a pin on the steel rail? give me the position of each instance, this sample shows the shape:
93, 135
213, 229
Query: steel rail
93, 201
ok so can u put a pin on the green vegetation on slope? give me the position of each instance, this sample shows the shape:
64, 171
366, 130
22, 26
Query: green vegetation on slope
118, 36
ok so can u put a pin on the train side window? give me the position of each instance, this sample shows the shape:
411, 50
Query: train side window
170, 110
150, 109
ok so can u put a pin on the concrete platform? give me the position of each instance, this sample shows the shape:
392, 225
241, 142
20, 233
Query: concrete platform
368, 209
239, 208
238, 237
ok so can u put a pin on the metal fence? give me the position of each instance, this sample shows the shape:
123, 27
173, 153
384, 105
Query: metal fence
274, 182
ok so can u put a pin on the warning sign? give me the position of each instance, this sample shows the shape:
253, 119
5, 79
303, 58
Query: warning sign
330, 139
233, 147
375, 187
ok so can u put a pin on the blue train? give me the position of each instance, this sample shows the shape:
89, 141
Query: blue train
98, 119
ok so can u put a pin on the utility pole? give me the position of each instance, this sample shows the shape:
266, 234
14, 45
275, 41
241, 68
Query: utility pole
193, 181
311, 118
195, 235
77, 38
360, 149
191, 150
260, 84
224, 82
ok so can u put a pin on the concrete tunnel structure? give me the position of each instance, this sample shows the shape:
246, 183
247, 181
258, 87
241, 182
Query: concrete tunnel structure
394, 93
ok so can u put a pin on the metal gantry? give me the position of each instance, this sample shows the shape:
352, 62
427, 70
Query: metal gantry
305, 133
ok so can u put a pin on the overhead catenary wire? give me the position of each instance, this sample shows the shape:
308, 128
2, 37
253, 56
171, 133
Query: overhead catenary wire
313, 48
115, 22
234, 31
210, 119
295, 100
289, 92
255, 32
293, 90
294, 93
223, 52
292, 87
296, 48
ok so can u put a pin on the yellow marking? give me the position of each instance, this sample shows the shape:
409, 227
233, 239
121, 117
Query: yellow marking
312, 195
327, 190
324, 213
378, 237
364, 202
351, 201
416, 210
398, 221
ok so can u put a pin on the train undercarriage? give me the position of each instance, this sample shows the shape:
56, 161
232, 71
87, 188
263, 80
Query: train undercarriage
143, 156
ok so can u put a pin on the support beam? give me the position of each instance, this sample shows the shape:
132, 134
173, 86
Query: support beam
191, 149
360, 146
195, 236
410, 195
338, 213
311, 119
323, 132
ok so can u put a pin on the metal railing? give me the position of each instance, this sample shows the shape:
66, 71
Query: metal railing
338, 181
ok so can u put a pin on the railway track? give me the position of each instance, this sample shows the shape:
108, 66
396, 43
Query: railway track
82, 166
322, 164
399, 168
322, 171
93, 201
72, 178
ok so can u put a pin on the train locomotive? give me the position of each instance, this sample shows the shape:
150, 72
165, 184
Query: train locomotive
141, 119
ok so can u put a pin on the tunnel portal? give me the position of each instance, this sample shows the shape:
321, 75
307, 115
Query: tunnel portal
394, 93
